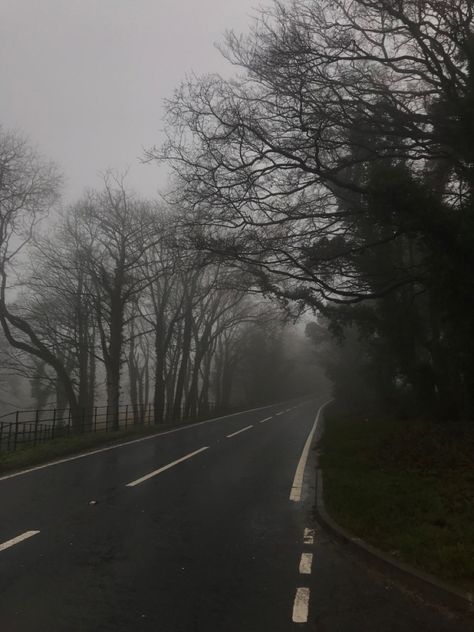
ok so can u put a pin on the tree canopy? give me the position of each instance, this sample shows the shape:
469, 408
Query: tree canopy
337, 165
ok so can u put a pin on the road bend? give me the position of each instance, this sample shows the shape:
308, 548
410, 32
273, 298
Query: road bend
206, 528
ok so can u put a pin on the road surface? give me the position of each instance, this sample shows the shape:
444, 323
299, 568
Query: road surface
189, 531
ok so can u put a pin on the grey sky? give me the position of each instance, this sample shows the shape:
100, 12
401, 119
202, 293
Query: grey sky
85, 79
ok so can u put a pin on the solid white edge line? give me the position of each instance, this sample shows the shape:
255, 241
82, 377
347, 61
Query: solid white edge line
301, 605
262, 421
17, 540
296, 488
306, 562
142, 479
308, 537
238, 432
123, 444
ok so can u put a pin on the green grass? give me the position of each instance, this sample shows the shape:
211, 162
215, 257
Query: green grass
405, 487
52, 450
58, 448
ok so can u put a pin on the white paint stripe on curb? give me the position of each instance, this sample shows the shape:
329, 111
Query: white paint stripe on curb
296, 488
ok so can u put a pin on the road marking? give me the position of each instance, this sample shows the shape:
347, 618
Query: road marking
300, 605
280, 413
238, 432
264, 420
124, 444
306, 563
308, 536
18, 539
296, 488
165, 467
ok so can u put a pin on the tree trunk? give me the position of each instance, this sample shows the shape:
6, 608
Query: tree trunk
183, 369
114, 363
159, 386
206, 382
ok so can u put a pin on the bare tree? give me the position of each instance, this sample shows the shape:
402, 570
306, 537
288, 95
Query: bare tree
113, 282
59, 303
338, 165
117, 230
327, 88
28, 189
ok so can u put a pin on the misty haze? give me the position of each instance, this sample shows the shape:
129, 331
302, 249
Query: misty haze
236, 315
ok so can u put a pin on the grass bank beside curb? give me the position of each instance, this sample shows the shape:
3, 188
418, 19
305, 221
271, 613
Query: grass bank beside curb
406, 488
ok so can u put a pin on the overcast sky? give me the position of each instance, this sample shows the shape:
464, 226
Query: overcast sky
85, 79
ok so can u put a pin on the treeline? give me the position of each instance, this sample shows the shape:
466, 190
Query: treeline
339, 166
105, 304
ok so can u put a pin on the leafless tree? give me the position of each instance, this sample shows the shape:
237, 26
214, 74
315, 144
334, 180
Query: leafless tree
113, 283
117, 230
29, 188
272, 166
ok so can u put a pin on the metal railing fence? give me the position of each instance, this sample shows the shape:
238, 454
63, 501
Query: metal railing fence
24, 428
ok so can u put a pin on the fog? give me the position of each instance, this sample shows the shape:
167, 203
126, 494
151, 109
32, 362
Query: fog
210, 384
84, 82
85, 79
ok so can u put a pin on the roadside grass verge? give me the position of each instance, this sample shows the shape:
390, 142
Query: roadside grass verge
406, 487
74, 444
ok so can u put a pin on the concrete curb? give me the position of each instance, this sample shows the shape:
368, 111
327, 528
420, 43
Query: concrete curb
427, 585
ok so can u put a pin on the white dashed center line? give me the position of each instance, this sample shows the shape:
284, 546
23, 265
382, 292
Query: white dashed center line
238, 432
306, 563
264, 420
308, 536
165, 467
300, 605
18, 539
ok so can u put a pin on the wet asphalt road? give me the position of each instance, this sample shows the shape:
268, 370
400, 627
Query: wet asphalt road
212, 544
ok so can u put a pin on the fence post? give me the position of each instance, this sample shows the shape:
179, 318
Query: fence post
95, 418
9, 438
54, 424
149, 414
35, 441
1, 435
15, 439
126, 416
107, 418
